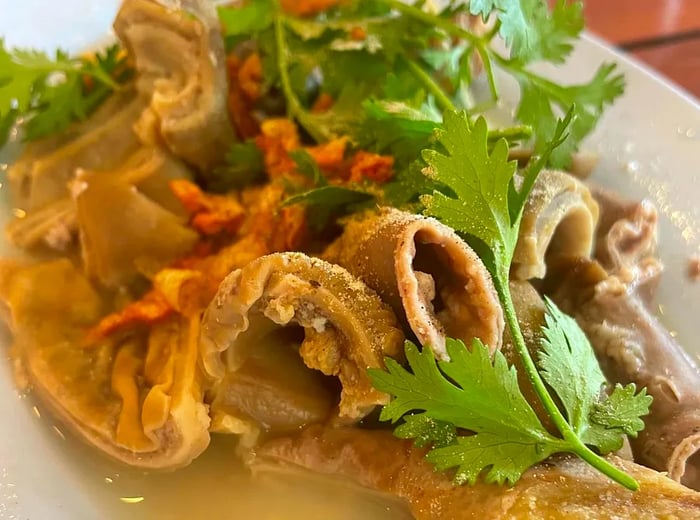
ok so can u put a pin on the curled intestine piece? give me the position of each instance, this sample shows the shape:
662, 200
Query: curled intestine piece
137, 398
626, 241
432, 279
276, 312
610, 301
559, 218
180, 64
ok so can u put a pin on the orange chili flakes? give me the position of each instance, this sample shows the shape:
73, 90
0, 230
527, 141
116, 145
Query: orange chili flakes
283, 130
357, 33
227, 221
250, 77
308, 7
322, 104
189, 195
209, 214
291, 231
150, 309
201, 250
278, 137
372, 166
280, 229
330, 155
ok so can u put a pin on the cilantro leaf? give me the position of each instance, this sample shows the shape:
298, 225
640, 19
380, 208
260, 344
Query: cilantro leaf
241, 22
569, 366
51, 93
22, 70
328, 201
518, 198
540, 97
462, 399
485, 204
344, 118
473, 393
395, 127
407, 187
481, 182
622, 410
530, 30
7, 121
425, 430
60, 104
501, 459
482, 200
329, 196
308, 167
244, 165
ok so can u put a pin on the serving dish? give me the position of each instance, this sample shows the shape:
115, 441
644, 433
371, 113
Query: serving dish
647, 145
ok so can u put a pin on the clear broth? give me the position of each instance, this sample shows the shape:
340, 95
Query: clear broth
216, 485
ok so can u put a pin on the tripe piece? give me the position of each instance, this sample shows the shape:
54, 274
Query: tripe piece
284, 304
431, 278
559, 217
181, 69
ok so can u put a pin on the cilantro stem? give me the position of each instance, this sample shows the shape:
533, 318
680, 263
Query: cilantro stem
493, 31
479, 43
574, 443
436, 21
294, 106
488, 68
443, 102
511, 133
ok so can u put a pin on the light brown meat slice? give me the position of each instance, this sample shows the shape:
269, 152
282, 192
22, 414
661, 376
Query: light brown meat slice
564, 488
180, 67
611, 303
431, 278
121, 228
55, 224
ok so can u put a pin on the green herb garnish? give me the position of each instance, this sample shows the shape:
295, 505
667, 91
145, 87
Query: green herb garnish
411, 65
473, 393
49, 94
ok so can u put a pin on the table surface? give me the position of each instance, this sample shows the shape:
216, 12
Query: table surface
664, 34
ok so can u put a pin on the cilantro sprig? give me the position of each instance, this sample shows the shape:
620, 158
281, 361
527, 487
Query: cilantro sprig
393, 52
470, 392
484, 203
49, 94
534, 34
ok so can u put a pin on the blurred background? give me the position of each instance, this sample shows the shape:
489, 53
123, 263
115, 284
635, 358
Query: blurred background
664, 34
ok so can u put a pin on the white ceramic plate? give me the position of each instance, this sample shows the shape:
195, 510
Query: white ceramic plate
649, 144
